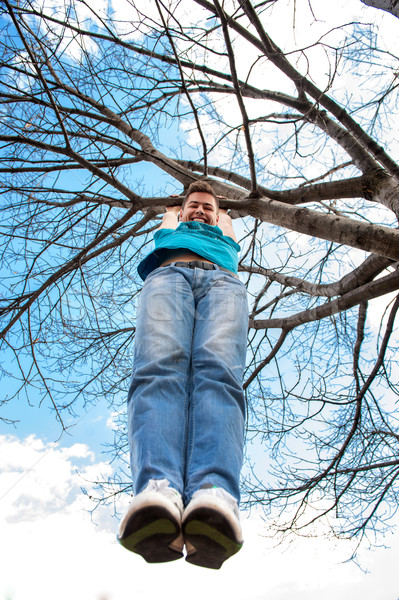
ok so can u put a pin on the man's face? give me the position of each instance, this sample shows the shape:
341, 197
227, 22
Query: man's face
200, 207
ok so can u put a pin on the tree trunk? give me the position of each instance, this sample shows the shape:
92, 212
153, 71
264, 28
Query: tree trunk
391, 6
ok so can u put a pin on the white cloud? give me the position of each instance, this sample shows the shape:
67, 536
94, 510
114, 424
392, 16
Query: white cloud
112, 421
57, 550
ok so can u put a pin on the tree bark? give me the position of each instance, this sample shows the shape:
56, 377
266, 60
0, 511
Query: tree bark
391, 6
371, 238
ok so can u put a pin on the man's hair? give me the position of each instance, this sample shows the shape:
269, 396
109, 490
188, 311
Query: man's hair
203, 187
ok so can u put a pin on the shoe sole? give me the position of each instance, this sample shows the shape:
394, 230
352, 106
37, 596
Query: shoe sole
149, 532
212, 536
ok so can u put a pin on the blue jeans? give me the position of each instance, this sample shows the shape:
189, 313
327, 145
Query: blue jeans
186, 409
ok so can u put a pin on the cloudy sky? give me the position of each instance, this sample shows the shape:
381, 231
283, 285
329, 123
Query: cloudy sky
53, 547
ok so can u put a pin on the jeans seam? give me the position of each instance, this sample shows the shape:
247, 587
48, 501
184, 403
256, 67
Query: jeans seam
187, 413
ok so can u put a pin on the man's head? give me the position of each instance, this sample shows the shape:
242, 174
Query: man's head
200, 204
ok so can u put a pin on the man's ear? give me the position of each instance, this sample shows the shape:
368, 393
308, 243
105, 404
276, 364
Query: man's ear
179, 216
217, 218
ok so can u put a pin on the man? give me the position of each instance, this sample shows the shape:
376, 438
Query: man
186, 407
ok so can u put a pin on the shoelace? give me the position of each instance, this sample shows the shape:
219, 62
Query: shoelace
219, 493
163, 487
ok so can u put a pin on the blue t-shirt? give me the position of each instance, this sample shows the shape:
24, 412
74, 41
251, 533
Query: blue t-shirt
205, 240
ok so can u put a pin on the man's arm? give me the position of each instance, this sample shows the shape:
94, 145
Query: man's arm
225, 223
169, 219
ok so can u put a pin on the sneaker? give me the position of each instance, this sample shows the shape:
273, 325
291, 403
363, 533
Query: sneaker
211, 527
152, 525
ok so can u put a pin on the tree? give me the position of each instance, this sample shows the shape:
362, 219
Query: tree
105, 115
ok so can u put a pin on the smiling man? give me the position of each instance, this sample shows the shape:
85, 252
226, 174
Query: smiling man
186, 408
